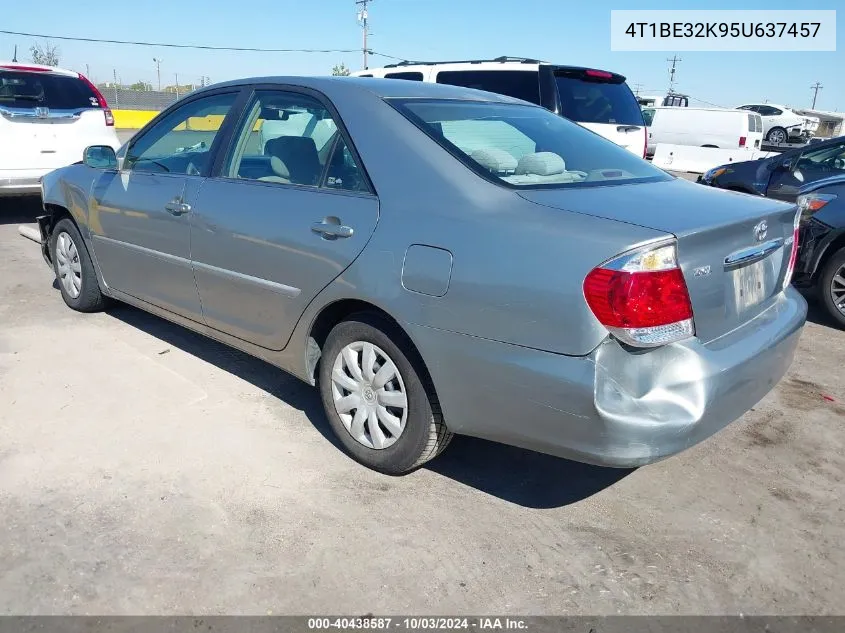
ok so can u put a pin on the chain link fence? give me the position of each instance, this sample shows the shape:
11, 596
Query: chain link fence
153, 100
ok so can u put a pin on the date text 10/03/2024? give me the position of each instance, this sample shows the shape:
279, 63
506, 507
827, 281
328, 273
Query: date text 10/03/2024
418, 623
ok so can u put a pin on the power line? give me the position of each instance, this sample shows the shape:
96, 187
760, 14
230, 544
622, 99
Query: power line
247, 49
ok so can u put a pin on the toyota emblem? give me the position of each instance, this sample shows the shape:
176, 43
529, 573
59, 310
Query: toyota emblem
761, 230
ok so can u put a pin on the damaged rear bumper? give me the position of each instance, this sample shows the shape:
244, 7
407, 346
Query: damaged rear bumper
614, 407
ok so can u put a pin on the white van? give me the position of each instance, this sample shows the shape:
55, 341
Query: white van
703, 127
598, 100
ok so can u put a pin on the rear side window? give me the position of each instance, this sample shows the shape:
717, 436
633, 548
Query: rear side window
597, 100
45, 90
410, 76
755, 123
521, 84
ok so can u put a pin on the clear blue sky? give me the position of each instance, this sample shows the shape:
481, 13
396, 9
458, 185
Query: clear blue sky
562, 31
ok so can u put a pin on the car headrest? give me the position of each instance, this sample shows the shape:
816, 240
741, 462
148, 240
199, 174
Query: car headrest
541, 164
494, 159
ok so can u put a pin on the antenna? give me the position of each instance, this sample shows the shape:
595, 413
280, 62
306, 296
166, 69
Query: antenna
675, 59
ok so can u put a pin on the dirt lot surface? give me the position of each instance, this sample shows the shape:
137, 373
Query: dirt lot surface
145, 469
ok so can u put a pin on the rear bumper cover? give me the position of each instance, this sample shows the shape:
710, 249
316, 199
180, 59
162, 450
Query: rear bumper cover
613, 407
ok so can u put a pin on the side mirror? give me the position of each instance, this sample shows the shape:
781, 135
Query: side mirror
786, 164
100, 157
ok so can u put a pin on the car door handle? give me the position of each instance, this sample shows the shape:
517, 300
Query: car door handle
177, 208
330, 230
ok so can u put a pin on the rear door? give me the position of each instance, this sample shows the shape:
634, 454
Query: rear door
284, 216
602, 102
47, 118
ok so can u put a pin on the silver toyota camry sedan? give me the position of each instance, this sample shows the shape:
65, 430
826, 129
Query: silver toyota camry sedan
439, 260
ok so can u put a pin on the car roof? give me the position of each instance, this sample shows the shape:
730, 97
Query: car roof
384, 88
4, 65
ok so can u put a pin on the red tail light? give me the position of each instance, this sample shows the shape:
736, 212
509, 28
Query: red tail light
742, 140
645, 141
100, 99
642, 297
598, 73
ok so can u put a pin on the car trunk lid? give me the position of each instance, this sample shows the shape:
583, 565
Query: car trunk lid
733, 248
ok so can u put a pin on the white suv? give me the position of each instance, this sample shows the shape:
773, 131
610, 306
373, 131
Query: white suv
48, 116
780, 124
596, 99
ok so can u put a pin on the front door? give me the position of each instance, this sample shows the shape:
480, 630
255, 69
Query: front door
290, 210
140, 215
811, 165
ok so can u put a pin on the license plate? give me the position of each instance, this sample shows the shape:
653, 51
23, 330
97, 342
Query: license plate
749, 285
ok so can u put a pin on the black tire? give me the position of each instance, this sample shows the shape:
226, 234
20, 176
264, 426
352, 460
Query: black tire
779, 129
833, 265
89, 299
425, 435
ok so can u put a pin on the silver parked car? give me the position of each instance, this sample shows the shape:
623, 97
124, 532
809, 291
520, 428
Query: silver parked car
439, 260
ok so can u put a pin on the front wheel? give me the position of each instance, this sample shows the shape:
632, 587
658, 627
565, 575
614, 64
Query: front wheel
375, 398
832, 287
74, 269
777, 135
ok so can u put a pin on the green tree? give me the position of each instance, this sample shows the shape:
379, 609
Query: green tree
45, 54
142, 86
340, 70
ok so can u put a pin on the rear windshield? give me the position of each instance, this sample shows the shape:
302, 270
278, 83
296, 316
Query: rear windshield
596, 100
526, 146
44, 90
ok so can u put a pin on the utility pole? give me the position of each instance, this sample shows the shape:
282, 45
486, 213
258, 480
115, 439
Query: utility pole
87, 71
815, 88
177, 86
15, 56
362, 20
675, 59
637, 89
158, 61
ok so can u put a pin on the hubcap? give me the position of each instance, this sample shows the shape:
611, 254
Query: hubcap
777, 137
67, 263
837, 289
369, 395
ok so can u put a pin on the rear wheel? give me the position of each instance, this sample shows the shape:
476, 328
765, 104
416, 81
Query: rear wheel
74, 269
832, 287
777, 135
375, 397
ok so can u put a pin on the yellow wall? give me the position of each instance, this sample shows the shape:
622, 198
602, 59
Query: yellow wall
136, 119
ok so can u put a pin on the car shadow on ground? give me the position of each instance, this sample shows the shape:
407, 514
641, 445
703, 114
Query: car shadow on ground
20, 209
515, 475
816, 313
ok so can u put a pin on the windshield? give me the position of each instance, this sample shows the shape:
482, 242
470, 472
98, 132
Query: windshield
595, 100
44, 90
526, 146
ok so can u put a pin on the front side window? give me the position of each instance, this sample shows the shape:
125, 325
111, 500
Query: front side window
521, 84
525, 146
831, 158
290, 138
180, 143
648, 116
